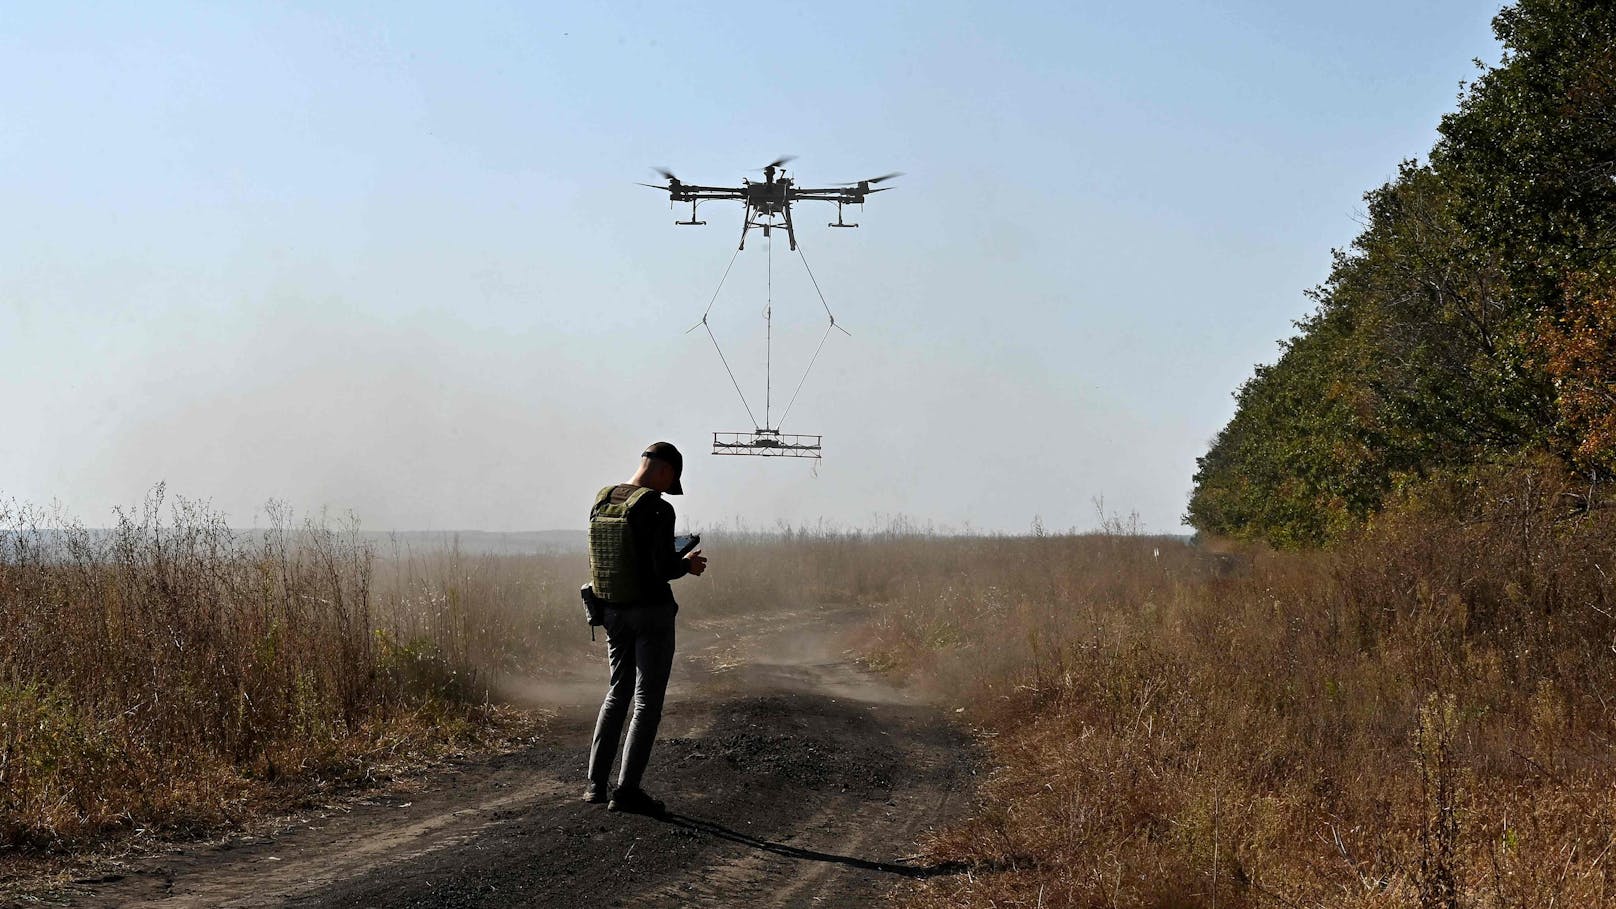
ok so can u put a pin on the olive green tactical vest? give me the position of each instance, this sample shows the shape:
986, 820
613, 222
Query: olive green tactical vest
614, 565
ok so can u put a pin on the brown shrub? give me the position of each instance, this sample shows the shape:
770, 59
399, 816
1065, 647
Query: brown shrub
171, 672
1417, 718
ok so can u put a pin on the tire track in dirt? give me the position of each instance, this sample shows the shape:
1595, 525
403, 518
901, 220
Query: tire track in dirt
287, 869
793, 778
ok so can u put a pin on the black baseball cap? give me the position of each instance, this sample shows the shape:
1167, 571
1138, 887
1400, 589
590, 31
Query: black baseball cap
665, 452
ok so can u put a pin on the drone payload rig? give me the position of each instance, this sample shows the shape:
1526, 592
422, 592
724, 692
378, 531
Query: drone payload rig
767, 443
768, 208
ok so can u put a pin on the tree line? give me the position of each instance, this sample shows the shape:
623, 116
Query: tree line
1471, 324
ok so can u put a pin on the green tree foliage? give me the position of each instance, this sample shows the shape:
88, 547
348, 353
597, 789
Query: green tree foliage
1532, 149
1303, 457
1458, 329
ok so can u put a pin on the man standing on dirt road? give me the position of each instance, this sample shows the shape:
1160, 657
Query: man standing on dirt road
631, 560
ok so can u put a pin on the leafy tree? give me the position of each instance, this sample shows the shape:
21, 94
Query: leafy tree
1472, 320
1448, 333
1304, 457
1531, 152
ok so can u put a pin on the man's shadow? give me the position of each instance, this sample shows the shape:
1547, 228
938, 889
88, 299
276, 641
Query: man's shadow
809, 855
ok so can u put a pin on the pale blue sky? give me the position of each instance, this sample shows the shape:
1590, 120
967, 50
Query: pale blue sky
390, 258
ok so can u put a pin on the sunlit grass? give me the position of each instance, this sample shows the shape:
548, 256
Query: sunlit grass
1419, 718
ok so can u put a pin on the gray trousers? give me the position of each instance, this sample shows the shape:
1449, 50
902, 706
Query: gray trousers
639, 650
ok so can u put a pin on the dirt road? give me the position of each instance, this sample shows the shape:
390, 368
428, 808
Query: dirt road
792, 777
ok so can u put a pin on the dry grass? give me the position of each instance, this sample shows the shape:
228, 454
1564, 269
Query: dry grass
173, 673
494, 617
1416, 719
1421, 718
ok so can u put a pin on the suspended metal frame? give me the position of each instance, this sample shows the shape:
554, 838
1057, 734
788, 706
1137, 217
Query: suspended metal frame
767, 443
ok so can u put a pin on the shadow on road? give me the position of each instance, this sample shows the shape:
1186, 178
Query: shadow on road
809, 855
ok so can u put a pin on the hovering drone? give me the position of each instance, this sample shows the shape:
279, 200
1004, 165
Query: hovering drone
768, 204
768, 207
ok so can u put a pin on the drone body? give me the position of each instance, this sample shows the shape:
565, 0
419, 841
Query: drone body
768, 203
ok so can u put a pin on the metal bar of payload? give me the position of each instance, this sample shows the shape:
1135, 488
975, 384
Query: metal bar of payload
767, 443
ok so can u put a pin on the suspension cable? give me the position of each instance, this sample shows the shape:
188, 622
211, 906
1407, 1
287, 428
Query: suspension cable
820, 292
716, 291
768, 337
714, 338
822, 339
731, 372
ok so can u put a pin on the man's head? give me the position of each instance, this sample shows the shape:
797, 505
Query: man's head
661, 465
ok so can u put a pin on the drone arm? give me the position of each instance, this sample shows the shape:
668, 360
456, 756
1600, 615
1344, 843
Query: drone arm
843, 196
709, 192
833, 193
684, 192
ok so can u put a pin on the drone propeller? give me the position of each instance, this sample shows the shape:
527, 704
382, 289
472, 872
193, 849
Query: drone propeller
652, 186
666, 175
779, 162
896, 173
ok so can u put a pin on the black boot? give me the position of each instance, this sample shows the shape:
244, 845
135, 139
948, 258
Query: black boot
635, 801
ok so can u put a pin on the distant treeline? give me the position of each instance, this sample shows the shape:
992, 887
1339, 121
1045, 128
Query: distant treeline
57, 543
1471, 324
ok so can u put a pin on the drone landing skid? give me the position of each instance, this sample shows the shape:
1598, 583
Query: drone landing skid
692, 222
766, 443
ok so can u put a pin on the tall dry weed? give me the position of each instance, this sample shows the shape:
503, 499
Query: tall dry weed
1418, 718
170, 671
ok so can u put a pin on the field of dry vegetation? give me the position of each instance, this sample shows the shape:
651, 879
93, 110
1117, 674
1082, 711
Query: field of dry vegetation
171, 673
1419, 717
